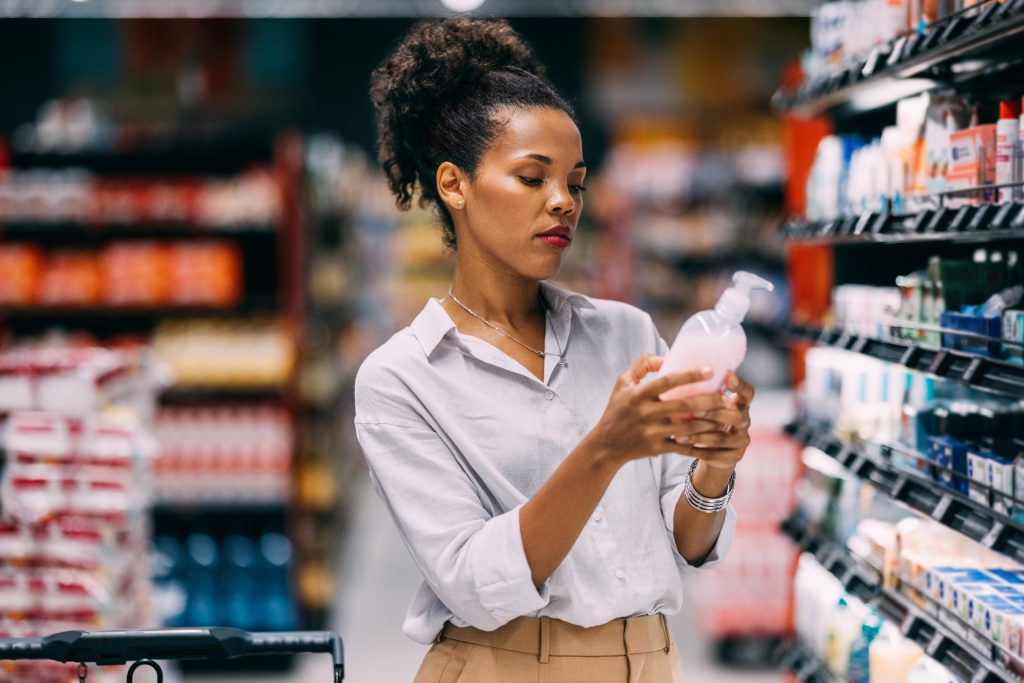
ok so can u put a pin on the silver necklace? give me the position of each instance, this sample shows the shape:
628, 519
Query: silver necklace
561, 354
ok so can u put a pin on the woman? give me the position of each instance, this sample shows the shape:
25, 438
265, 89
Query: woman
553, 525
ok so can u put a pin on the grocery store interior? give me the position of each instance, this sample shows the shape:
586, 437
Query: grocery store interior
198, 249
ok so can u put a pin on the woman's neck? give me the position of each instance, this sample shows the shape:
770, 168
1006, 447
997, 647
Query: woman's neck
503, 299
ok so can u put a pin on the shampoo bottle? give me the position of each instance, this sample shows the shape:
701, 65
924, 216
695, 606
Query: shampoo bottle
713, 339
1007, 140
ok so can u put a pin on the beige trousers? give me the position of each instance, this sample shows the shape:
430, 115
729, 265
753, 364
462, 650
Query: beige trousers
543, 650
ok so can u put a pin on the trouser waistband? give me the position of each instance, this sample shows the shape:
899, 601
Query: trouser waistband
546, 637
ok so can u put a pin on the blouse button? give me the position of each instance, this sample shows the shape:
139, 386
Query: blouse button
597, 517
549, 395
620, 575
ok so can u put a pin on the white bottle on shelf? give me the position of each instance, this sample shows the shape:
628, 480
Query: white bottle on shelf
713, 338
1007, 140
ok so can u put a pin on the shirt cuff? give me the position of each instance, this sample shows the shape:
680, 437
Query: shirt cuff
504, 582
722, 543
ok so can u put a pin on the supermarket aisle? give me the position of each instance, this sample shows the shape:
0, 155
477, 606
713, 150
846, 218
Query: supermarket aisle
378, 581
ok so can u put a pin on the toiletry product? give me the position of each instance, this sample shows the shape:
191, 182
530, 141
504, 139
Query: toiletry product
892, 656
843, 629
1007, 140
859, 669
972, 163
713, 338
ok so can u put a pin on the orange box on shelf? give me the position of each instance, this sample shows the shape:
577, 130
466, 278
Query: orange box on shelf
205, 274
71, 278
21, 268
972, 162
135, 274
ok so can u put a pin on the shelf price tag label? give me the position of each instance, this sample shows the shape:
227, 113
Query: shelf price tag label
942, 508
992, 537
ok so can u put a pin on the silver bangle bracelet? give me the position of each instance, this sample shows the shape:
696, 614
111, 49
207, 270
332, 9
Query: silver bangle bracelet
701, 502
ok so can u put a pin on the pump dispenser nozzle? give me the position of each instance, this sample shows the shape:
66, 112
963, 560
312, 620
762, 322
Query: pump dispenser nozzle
736, 300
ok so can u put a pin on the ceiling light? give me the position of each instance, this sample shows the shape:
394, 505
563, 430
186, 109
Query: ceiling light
462, 5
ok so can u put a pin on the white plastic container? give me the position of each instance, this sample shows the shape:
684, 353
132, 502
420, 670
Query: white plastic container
1007, 140
713, 339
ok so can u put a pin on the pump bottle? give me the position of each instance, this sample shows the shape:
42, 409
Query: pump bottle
713, 339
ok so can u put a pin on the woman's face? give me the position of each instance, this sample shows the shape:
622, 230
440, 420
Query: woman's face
524, 201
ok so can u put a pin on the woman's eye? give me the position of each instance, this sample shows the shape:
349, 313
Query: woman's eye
578, 188
532, 182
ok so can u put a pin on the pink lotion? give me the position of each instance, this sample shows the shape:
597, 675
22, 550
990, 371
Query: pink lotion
714, 339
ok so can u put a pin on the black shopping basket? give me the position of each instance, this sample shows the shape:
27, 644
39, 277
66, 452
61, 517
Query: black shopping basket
142, 647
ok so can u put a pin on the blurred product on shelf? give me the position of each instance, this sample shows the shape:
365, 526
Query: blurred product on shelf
223, 454
238, 579
842, 30
77, 381
973, 306
748, 597
226, 354
76, 488
936, 146
122, 275
840, 629
965, 443
74, 195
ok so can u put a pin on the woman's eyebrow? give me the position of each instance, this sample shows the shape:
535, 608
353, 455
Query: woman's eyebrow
547, 160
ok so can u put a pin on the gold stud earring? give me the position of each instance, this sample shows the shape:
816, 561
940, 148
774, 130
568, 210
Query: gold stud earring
460, 203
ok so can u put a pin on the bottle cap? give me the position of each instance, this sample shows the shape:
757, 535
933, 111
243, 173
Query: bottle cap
735, 301
1009, 109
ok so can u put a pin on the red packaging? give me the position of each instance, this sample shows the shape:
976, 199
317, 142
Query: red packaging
205, 274
134, 274
21, 268
71, 278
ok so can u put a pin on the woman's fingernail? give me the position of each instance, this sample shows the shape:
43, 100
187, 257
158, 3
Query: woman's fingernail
683, 439
734, 382
700, 415
706, 372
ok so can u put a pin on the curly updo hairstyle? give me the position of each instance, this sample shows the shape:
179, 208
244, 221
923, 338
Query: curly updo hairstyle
437, 96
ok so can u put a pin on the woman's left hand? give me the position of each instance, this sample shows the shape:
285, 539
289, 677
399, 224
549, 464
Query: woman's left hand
724, 448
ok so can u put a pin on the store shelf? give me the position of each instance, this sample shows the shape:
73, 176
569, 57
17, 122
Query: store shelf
967, 225
976, 371
970, 658
85, 233
185, 157
164, 506
951, 51
118, 321
803, 664
974, 520
187, 395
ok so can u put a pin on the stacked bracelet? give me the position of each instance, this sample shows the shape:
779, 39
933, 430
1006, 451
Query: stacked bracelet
701, 502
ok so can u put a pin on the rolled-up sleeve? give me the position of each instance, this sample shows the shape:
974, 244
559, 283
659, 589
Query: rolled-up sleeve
474, 562
673, 474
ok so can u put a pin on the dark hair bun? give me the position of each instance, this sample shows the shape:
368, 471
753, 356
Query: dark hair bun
433, 96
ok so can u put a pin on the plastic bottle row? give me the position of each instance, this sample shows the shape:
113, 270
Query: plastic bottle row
940, 143
982, 298
237, 580
226, 353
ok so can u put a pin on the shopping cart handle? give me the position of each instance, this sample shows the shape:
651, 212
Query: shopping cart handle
118, 647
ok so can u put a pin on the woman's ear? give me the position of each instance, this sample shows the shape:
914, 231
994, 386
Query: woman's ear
449, 186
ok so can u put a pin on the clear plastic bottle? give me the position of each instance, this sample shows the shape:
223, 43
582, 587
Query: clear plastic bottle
713, 339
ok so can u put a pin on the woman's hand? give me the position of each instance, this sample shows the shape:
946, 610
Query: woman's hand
725, 446
637, 424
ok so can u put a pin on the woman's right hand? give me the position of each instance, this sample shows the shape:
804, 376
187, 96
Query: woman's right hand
638, 424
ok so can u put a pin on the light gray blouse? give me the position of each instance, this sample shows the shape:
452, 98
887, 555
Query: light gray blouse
458, 436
